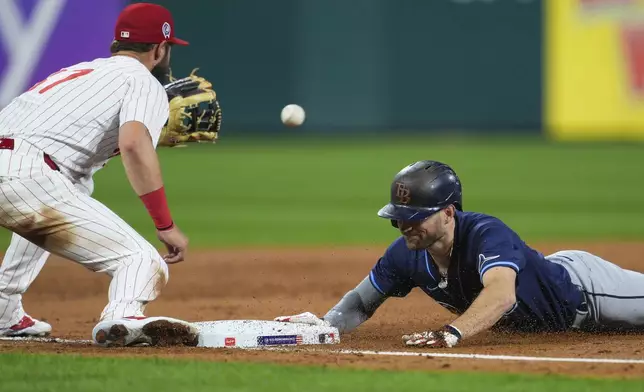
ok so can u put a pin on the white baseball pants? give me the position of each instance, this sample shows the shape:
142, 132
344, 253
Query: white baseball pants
48, 214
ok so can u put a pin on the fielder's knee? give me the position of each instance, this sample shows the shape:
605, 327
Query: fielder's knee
161, 275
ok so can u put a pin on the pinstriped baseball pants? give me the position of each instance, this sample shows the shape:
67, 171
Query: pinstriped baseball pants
48, 214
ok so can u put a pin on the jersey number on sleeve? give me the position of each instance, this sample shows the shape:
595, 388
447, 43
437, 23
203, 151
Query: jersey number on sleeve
72, 75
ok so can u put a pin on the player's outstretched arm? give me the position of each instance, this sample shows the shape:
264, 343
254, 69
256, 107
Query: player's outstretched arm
355, 307
497, 297
144, 173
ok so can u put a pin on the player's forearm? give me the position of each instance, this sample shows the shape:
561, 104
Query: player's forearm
348, 314
140, 161
356, 307
488, 308
144, 172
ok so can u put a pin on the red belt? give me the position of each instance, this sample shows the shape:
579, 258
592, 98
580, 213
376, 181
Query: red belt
8, 144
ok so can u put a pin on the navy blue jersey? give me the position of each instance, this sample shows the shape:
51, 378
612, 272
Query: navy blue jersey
546, 298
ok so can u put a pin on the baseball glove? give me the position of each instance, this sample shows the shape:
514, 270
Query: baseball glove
195, 114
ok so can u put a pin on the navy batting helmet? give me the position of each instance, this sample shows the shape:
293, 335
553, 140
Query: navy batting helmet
421, 189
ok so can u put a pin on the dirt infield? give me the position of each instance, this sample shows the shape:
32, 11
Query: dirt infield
262, 284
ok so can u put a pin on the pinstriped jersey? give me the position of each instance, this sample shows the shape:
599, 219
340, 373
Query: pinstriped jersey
547, 300
74, 115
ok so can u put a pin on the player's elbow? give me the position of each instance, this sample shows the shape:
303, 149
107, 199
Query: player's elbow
132, 136
504, 297
506, 300
500, 281
126, 147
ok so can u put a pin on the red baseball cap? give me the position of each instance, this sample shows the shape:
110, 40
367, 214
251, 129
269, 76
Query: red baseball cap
146, 23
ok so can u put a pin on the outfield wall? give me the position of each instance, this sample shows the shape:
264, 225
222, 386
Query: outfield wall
354, 65
369, 64
573, 69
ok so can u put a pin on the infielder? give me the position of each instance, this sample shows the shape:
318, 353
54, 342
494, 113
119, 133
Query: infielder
479, 269
56, 135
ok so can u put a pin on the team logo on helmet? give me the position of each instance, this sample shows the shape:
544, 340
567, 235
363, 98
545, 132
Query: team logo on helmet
403, 193
166, 30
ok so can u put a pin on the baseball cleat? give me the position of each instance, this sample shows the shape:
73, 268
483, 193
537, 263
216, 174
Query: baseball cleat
153, 331
27, 327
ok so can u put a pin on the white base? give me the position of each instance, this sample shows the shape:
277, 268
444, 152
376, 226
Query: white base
261, 333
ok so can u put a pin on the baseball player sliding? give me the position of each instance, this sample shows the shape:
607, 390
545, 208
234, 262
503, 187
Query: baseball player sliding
56, 135
480, 269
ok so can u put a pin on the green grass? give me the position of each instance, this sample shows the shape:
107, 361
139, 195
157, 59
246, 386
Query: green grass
32, 373
312, 191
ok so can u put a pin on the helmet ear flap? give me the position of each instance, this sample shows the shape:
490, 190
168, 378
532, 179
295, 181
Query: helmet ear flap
394, 223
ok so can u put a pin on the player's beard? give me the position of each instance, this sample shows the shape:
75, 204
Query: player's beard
162, 70
422, 236
417, 241
162, 73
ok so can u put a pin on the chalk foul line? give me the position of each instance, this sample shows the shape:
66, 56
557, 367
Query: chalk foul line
384, 353
468, 356
490, 357
46, 340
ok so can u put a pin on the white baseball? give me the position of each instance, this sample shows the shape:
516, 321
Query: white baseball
293, 115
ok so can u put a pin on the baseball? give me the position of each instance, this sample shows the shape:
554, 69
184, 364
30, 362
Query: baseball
293, 115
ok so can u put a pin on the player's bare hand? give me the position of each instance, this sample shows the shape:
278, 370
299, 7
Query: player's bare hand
176, 243
443, 338
303, 318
